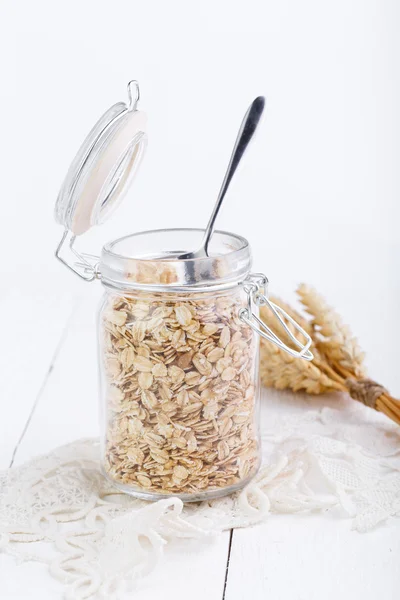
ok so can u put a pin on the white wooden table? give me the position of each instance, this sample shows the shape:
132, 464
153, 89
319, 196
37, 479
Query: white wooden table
49, 397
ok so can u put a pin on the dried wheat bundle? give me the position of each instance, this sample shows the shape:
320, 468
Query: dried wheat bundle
338, 359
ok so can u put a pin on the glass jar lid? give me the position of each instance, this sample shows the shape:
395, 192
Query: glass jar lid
104, 166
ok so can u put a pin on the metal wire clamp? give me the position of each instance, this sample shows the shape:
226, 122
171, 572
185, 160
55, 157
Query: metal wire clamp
255, 287
67, 254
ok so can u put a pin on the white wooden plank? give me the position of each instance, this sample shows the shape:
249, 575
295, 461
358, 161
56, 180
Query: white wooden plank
32, 330
189, 569
308, 557
68, 407
68, 410
294, 557
29, 580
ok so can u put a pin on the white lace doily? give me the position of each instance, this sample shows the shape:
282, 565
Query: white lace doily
60, 510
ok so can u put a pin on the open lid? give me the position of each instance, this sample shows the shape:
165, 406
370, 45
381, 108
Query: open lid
104, 166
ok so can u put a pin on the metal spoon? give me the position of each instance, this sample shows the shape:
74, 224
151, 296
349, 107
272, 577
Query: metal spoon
246, 131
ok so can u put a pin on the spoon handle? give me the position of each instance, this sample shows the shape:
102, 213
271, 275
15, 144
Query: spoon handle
246, 131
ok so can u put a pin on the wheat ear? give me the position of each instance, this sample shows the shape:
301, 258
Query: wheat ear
338, 360
332, 336
280, 370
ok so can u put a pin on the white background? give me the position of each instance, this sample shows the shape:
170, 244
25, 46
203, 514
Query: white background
317, 195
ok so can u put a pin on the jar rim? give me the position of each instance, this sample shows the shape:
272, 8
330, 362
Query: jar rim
149, 260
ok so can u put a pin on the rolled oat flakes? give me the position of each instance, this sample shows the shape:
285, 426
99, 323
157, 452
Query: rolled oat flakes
179, 378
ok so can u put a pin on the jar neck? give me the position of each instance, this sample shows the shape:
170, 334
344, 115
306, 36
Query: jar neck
150, 262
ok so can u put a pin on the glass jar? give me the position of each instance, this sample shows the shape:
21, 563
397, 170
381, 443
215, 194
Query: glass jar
179, 367
178, 338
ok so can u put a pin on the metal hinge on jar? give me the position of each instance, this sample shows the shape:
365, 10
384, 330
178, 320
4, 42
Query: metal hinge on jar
256, 288
84, 265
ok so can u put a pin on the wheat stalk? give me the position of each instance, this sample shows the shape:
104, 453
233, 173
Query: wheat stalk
280, 370
338, 359
332, 335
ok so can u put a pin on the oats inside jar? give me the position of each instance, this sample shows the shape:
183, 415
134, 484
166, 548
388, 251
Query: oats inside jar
180, 383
